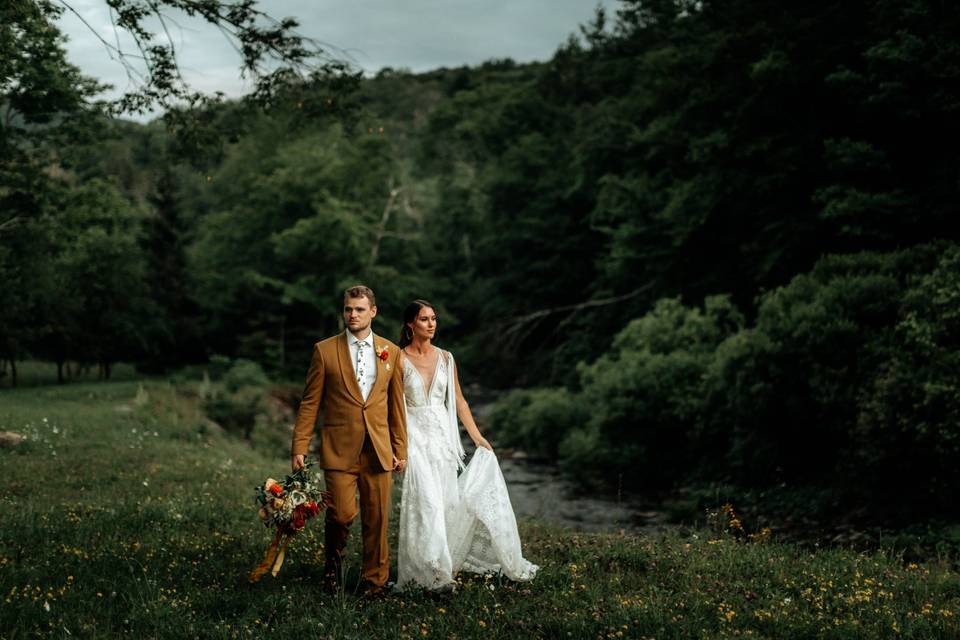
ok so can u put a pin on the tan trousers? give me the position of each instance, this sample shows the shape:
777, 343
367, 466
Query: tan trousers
374, 483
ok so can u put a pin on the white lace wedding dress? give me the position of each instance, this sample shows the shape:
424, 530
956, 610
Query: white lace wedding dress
450, 523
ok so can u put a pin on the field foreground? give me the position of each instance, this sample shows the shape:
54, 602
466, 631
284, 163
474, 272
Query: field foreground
124, 512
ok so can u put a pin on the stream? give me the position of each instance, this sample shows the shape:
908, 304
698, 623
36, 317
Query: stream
540, 492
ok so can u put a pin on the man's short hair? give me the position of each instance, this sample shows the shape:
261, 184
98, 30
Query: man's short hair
360, 291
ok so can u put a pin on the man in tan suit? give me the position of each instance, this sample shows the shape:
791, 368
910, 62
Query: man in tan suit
358, 378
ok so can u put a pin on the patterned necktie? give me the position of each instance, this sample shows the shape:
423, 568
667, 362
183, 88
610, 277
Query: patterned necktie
360, 360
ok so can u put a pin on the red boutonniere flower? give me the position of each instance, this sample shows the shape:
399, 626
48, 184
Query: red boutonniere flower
382, 353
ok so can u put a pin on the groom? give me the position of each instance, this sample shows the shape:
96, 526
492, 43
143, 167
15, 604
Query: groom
357, 377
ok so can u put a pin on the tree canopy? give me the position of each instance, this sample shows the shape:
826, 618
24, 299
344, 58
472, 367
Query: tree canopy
740, 208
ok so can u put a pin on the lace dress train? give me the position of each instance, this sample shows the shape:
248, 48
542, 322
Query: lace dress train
450, 523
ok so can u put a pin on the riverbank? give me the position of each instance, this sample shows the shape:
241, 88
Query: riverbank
804, 515
124, 514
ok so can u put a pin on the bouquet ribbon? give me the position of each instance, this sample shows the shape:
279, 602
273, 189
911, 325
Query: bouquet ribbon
272, 559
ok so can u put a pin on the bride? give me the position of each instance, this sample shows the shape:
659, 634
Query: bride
448, 524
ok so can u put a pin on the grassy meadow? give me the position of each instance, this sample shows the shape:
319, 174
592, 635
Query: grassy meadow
124, 512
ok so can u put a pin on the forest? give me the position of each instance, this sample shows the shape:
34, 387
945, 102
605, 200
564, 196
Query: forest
705, 244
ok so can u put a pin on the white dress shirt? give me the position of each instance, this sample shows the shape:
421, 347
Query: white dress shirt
369, 362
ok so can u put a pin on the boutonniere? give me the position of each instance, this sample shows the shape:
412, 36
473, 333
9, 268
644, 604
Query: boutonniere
383, 354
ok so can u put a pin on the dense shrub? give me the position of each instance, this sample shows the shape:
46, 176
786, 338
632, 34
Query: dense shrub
241, 399
244, 373
644, 397
639, 402
783, 394
907, 433
849, 378
832, 384
536, 420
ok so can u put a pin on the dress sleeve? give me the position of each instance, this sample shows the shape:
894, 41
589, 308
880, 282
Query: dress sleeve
453, 428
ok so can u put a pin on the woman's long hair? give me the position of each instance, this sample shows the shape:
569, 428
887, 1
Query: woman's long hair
409, 315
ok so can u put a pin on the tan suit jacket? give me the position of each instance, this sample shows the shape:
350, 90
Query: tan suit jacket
347, 418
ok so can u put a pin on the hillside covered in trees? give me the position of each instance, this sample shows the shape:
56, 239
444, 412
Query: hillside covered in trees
705, 242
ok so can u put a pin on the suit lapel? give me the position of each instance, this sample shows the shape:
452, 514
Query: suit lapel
382, 373
346, 368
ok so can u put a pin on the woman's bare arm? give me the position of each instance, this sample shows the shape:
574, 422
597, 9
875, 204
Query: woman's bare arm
466, 416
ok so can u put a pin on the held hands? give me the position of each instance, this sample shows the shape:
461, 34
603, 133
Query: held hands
482, 442
399, 465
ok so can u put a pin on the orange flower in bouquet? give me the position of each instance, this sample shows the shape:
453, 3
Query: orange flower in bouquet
286, 506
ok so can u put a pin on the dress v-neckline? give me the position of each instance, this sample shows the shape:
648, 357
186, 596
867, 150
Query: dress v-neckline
436, 368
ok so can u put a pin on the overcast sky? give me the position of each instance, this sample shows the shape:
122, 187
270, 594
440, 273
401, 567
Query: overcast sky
413, 34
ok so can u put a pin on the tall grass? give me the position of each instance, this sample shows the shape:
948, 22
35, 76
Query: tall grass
125, 513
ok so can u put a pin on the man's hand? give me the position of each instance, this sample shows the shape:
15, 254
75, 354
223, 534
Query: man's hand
296, 461
399, 465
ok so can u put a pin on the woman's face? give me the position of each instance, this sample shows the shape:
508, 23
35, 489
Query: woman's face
424, 326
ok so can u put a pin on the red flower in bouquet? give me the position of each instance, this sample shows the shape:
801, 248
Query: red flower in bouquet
286, 506
307, 510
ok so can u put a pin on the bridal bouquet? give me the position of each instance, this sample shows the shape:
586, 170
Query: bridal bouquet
286, 506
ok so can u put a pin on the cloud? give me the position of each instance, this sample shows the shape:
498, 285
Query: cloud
415, 34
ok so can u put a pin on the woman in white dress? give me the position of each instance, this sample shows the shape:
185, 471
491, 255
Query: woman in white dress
448, 523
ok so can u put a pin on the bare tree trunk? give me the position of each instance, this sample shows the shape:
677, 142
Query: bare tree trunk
60, 379
283, 340
13, 372
384, 219
106, 370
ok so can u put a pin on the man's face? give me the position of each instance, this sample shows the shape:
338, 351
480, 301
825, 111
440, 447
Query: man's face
358, 314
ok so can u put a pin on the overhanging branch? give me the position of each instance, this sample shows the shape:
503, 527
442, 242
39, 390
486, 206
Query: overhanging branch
519, 329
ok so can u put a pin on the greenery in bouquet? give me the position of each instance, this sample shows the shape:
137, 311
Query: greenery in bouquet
289, 504
286, 506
